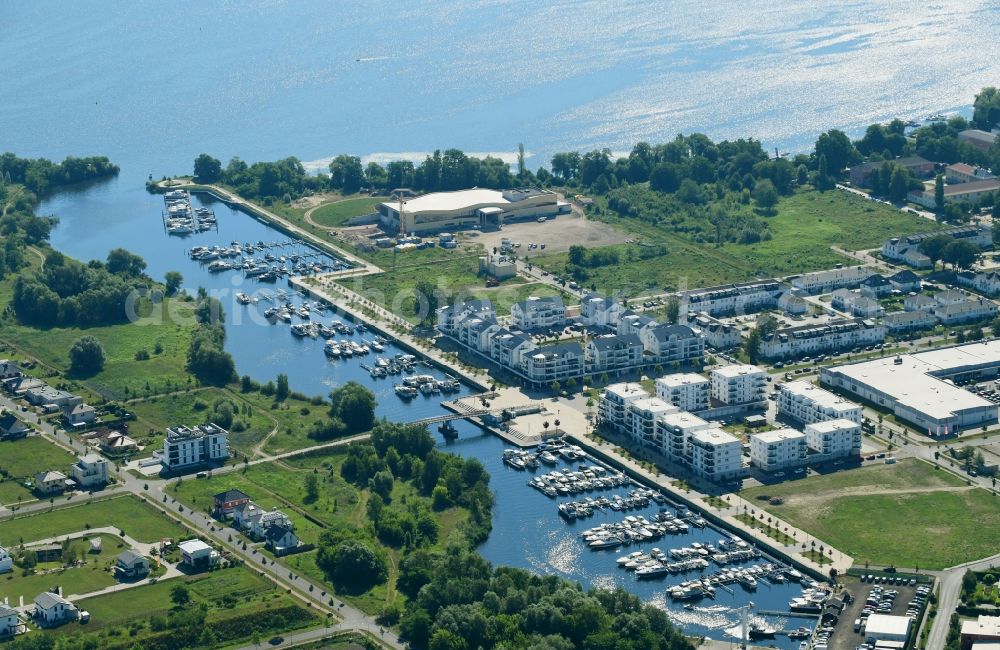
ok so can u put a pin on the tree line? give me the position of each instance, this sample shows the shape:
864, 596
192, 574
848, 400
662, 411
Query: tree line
40, 175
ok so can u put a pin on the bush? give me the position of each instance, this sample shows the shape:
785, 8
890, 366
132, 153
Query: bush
86, 356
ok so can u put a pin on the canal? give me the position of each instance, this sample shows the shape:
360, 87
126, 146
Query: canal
527, 530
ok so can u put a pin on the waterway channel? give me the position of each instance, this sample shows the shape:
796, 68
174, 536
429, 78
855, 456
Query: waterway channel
527, 530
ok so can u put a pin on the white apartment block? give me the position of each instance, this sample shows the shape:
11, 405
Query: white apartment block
538, 313
808, 404
715, 454
448, 317
601, 311
614, 353
185, 447
550, 363
834, 438
717, 334
642, 417
844, 334
675, 430
744, 298
670, 344
774, 450
685, 390
825, 281
739, 384
614, 405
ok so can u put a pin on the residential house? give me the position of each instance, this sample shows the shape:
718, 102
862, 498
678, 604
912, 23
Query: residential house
47, 396
826, 281
793, 304
717, 335
9, 369
979, 139
861, 173
227, 502
807, 403
129, 565
50, 483
834, 335
192, 446
685, 390
906, 322
967, 311
52, 609
19, 385
963, 173
11, 428
196, 554
281, 539
613, 354
739, 384
536, 313
858, 305
780, 449
6, 561
970, 192
672, 344
919, 302
950, 297
48, 552
987, 283
91, 471
550, 363
905, 281
79, 415
116, 443
10, 622
600, 311
876, 286
743, 298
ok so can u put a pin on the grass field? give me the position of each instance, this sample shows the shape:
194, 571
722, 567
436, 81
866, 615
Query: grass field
804, 228
76, 580
22, 459
122, 375
338, 213
908, 514
235, 599
139, 520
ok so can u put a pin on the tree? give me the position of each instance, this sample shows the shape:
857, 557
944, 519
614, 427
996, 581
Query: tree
664, 177
673, 309
351, 564
354, 406
346, 173
899, 183
281, 387
180, 595
765, 194
86, 356
986, 109
939, 194
172, 280
426, 303
822, 174
207, 169
375, 175
960, 253
122, 262
838, 149
933, 247
311, 484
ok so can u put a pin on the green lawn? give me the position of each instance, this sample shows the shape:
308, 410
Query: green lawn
804, 228
338, 213
75, 581
908, 514
122, 375
237, 601
139, 520
22, 459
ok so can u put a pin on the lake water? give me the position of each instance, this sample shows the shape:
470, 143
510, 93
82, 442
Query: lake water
153, 86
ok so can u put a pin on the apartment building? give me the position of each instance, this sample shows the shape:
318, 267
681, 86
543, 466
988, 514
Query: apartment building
675, 430
834, 335
907, 249
187, 447
600, 311
855, 302
807, 403
826, 281
987, 283
739, 384
537, 313
780, 449
613, 354
449, 316
717, 335
837, 438
972, 310
715, 455
685, 390
550, 363
642, 416
743, 298
669, 344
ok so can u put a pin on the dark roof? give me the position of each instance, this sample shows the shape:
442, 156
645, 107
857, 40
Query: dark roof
47, 600
512, 341
232, 494
621, 340
560, 349
664, 332
128, 558
276, 532
906, 275
876, 280
8, 421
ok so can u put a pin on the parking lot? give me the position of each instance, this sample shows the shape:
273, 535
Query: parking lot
887, 594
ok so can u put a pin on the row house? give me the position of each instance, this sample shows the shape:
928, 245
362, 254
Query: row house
826, 281
973, 310
907, 322
907, 249
987, 283
743, 298
834, 335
